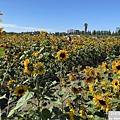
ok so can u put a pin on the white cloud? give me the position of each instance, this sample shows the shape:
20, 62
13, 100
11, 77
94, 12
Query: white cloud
16, 28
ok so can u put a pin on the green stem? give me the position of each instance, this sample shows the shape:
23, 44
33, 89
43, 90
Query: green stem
61, 75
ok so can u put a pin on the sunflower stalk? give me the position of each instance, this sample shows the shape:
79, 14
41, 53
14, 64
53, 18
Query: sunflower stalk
8, 107
38, 96
61, 75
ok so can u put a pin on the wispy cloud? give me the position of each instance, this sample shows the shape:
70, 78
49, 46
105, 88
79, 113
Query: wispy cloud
16, 28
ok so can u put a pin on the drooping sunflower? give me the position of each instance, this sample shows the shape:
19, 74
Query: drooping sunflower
20, 90
62, 55
116, 66
75, 90
28, 67
101, 103
115, 84
89, 79
39, 68
10, 84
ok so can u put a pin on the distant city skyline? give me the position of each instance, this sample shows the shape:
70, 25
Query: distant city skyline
59, 16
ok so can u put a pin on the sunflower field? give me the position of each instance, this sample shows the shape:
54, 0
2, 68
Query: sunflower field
48, 77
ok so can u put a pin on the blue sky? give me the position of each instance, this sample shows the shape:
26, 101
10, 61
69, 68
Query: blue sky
59, 15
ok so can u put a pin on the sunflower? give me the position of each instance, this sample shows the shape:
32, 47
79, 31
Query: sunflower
10, 84
63, 83
97, 73
104, 67
40, 68
91, 88
89, 79
104, 83
36, 54
1, 30
71, 116
1, 14
71, 77
115, 84
110, 96
29, 68
101, 103
90, 116
20, 90
26, 62
71, 107
116, 66
75, 90
82, 114
42, 32
62, 55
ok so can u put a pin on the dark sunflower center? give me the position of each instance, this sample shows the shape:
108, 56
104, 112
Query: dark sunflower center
21, 91
40, 68
30, 67
103, 90
102, 102
89, 78
116, 83
75, 89
110, 96
62, 55
118, 67
98, 73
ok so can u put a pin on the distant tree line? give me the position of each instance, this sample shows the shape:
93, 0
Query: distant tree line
77, 32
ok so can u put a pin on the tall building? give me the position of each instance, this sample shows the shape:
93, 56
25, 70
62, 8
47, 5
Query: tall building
73, 31
70, 31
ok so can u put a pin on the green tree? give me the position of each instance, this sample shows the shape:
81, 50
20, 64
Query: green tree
85, 27
94, 32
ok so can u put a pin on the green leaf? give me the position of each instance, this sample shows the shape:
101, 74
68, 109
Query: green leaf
46, 53
90, 103
46, 113
42, 48
22, 102
0, 114
2, 97
56, 110
83, 83
91, 109
56, 102
60, 92
114, 101
27, 52
2, 51
98, 118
